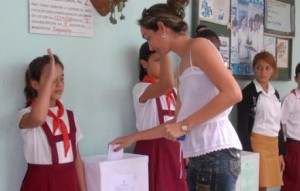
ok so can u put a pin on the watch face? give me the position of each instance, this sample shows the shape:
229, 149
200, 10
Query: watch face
184, 128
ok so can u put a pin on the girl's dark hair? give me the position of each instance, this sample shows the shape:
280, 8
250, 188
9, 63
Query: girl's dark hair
145, 53
33, 73
204, 32
297, 70
171, 14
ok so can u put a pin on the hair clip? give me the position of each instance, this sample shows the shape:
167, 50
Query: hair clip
202, 29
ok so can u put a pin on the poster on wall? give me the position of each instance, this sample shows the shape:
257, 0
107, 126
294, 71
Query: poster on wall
61, 17
270, 45
224, 49
282, 53
214, 11
247, 33
279, 18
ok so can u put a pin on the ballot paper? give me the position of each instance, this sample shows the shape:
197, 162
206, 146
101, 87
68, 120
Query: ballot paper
114, 155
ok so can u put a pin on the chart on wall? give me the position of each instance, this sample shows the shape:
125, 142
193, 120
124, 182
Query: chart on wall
247, 33
280, 18
61, 17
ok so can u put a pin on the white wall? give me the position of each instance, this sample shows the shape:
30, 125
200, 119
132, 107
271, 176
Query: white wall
99, 75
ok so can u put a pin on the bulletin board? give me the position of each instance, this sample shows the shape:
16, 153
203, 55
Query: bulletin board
282, 39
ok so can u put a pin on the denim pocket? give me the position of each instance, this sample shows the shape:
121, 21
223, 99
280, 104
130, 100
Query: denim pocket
235, 166
203, 181
235, 161
235, 152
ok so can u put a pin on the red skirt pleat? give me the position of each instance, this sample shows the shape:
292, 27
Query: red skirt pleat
51, 178
166, 166
291, 174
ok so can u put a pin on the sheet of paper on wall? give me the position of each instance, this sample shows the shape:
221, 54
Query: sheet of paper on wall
270, 45
224, 49
112, 155
278, 16
282, 53
68, 18
214, 11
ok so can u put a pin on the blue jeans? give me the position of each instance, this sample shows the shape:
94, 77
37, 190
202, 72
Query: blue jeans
215, 171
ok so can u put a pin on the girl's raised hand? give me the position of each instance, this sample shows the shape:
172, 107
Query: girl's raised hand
51, 72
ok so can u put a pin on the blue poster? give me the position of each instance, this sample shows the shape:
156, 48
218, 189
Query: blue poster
247, 34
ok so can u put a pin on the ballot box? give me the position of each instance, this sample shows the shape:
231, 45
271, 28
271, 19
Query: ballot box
127, 174
248, 178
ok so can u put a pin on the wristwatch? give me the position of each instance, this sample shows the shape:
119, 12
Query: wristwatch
184, 127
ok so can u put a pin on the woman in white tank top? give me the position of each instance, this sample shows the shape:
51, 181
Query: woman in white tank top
206, 93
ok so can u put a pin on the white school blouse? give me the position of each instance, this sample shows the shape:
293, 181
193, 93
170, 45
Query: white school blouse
146, 113
196, 90
268, 112
36, 147
290, 115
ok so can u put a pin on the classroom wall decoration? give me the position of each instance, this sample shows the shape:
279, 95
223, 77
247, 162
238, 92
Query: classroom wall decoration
280, 18
104, 7
253, 26
214, 11
63, 17
247, 34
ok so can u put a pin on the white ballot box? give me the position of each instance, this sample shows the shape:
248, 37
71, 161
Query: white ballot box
127, 174
248, 179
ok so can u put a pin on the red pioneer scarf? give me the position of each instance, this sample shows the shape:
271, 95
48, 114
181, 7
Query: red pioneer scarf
59, 123
169, 98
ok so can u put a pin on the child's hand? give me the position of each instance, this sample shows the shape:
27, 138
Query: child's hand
281, 163
124, 142
49, 71
52, 69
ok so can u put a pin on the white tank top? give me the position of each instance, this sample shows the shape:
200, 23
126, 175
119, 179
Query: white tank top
196, 90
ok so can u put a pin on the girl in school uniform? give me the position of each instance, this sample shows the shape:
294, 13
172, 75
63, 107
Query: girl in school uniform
153, 107
49, 131
259, 121
291, 125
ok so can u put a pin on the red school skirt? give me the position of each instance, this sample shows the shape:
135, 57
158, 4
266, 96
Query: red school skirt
291, 174
58, 177
166, 165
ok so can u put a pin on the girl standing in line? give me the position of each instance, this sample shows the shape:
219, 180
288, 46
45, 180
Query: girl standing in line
259, 121
207, 92
49, 131
153, 107
291, 124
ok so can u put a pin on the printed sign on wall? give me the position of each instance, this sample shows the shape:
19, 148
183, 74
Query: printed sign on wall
61, 17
